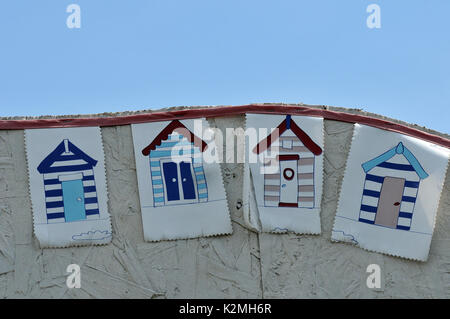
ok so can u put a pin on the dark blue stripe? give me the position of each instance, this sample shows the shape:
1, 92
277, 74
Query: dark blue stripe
412, 184
88, 189
405, 215
68, 168
51, 181
54, 204
90, 200
408, 199
53, 192
92, 212
368, 208
374, 178
371, 193
63, 158
56, 181
366, 221
55, 215
401, 167
403, 227
288, 122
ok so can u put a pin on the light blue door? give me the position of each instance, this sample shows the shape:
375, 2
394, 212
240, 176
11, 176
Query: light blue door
73, 197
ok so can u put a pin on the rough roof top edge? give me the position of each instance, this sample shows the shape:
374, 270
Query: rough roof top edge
327, 112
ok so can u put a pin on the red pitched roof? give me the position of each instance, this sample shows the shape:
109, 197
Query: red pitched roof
288, 123
175, 126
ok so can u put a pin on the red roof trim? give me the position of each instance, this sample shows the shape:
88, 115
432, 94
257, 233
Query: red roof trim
175, 126
226, 111
306, 140
288, 157
281, 204
272, 137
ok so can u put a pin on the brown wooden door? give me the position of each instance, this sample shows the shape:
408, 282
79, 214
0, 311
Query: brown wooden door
390, 201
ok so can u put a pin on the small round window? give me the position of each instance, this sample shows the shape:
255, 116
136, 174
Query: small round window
288, 173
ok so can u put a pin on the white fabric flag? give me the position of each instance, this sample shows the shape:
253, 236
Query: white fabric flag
390, 193
180, 189
66, 170
283, 173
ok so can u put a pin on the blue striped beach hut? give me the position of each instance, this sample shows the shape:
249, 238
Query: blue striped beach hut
390, 188
176, 166
69, 184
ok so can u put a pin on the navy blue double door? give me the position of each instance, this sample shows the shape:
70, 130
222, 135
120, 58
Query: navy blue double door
179, 181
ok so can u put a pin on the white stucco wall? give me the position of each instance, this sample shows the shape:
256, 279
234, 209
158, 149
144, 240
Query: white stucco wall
242, 265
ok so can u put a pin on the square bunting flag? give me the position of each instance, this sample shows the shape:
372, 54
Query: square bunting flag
283, 173
66, 171
181, 194
390, 193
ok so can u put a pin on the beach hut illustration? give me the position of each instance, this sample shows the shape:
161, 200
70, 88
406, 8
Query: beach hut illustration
176, 166
390, 188
295, 152
69, 184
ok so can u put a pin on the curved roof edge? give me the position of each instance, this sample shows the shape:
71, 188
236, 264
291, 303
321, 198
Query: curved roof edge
328, 113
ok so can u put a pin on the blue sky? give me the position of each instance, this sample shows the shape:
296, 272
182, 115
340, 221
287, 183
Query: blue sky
132, 55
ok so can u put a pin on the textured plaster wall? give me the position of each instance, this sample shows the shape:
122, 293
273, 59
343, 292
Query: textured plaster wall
242, 265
